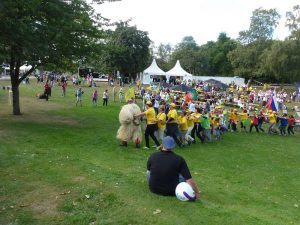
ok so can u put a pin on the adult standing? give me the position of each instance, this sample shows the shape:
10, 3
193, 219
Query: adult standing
151, 124
197, 125
105, 98
172, 126
165, 170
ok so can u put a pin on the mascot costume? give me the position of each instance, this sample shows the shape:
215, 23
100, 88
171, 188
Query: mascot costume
130, 128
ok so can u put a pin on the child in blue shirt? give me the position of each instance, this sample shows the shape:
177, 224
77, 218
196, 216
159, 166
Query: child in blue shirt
283, 124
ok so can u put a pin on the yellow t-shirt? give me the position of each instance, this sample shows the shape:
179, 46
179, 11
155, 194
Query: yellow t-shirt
197, 117
172, 114
190, 121
244, 116
162, 117
230, 114
235, 117
150, 114
216, 121
272, 118
184, 126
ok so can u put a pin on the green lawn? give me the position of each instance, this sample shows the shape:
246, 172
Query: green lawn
62, 165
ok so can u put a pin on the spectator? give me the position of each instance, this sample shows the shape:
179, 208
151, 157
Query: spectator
165, 170
105, 98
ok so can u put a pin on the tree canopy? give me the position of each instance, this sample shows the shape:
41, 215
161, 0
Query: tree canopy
39, 32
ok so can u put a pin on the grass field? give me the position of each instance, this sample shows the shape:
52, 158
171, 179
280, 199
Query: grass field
62, 165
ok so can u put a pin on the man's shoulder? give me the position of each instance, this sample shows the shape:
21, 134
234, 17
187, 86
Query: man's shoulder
170, 154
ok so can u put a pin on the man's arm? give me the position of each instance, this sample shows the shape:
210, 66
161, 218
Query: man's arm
194, 186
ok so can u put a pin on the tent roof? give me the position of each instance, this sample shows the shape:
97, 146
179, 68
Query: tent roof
178, 71
153, 69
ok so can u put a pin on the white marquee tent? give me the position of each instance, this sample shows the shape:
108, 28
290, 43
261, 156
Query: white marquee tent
152, 70
177, 71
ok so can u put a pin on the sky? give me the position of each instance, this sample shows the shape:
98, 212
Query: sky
168, 21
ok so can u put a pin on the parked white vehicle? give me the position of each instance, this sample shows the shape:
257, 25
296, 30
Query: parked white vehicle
101, 78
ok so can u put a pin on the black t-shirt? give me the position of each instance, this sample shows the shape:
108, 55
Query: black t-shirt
165, 167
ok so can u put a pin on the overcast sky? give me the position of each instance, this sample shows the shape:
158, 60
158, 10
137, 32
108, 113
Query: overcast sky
168, 21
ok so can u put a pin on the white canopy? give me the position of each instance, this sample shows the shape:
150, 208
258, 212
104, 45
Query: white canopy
178, 72
151, 71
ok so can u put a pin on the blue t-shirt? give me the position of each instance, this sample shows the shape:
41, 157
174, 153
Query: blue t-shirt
283, 121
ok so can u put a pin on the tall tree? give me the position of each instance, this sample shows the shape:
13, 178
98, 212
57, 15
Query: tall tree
246, 58
262, 25
293, 21
186, 52
127, 49
40, 32
217, 55
164, 53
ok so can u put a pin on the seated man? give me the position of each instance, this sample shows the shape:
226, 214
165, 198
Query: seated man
165, 170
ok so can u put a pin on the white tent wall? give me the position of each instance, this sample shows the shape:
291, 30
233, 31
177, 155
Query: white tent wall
146, 79
226, 80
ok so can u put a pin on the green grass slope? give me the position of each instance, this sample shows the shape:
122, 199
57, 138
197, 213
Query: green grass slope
61, 164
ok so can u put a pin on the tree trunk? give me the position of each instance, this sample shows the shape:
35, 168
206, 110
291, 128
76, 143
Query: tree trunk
16, 100
14, 78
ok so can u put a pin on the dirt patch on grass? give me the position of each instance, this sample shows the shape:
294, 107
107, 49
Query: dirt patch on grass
43, 202
79, 178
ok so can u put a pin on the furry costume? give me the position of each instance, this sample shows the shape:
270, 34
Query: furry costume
130, 127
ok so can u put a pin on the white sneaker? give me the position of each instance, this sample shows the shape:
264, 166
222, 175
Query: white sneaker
146, 148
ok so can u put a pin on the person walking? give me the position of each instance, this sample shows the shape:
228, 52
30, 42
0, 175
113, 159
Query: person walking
172, 126
261, 119
161, 123
197, 126
254, 123
151, 124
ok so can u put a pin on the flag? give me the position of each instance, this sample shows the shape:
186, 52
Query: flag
129, 94
272, 102
188, 97
194, 95
157, 90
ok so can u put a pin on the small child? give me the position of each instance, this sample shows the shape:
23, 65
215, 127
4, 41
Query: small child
183, 127
79, 95
291, 124
283, 124
254, 123
217, 127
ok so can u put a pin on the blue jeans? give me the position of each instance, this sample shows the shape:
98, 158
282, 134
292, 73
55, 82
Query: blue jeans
207, 134
148, 174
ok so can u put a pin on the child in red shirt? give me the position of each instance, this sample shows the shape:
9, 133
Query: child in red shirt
254, 122
291, 124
